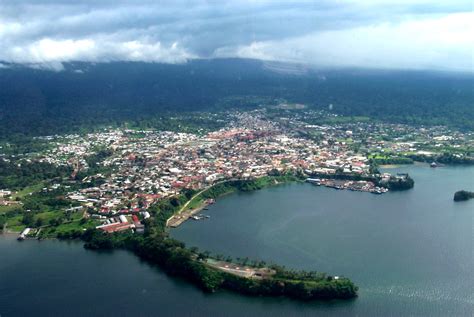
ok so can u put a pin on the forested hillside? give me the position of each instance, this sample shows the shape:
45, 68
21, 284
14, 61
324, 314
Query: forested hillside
42, 102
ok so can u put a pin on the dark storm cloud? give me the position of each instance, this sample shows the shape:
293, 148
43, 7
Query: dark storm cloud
174, 31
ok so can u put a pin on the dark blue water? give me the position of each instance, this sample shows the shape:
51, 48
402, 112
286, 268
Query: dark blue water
410, 252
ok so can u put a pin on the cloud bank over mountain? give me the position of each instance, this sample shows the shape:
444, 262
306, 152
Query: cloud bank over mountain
414, 34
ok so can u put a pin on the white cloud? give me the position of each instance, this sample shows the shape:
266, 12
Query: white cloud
441, 43
94, 50
387, 34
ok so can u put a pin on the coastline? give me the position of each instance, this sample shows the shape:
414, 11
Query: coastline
183, 215
389, 166
156, 247
9, 233
415, 163
173, 257
180, 218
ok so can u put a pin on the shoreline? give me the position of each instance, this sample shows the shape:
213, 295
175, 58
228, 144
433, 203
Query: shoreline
182, 216
174, 258
9, 233
390, 166
415, 163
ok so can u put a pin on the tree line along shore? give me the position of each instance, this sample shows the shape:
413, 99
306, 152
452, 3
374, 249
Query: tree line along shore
156, 247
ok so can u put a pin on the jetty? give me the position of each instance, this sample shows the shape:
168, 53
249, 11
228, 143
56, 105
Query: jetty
179, 218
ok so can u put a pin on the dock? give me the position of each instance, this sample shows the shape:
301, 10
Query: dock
178, 219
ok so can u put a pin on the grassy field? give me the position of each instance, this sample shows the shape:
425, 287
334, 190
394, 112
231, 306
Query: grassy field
6, 209
14, 223
28, 190
197, 202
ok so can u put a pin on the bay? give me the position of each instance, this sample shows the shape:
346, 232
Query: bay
411, 253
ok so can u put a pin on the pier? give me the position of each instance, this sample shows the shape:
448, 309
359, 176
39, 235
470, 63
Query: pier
360, 186
177, 219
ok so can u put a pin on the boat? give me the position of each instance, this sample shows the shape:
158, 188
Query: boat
23, 234
315, 181
433, 164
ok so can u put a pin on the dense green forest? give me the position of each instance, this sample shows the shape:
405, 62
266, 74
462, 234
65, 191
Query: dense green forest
84, 95
14, 175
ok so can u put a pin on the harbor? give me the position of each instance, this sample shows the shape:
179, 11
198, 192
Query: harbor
360, 186
200, 217
179, 218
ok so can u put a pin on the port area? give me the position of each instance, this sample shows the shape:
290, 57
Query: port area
240, 270
179, 218
360, 186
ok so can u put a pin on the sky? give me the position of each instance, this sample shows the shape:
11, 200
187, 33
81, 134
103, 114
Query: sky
387, 34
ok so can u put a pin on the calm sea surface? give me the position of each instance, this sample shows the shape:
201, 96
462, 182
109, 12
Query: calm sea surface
411, 253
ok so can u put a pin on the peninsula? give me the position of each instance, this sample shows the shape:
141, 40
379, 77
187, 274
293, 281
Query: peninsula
211, 273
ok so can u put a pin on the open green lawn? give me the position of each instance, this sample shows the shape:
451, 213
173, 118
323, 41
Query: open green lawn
195, 203
27, 190
64, 228
76, 225
6, 209
14, 223
48, 215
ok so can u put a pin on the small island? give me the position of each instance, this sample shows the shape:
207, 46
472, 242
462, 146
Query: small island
463, 195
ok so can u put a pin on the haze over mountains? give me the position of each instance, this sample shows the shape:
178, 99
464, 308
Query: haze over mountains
42, 102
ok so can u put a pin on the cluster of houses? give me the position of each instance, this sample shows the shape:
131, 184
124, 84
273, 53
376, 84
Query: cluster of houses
395, 139
151, 165
122, 223
6, 198
147, 166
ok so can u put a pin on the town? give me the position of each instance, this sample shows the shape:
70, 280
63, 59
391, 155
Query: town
122, 172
